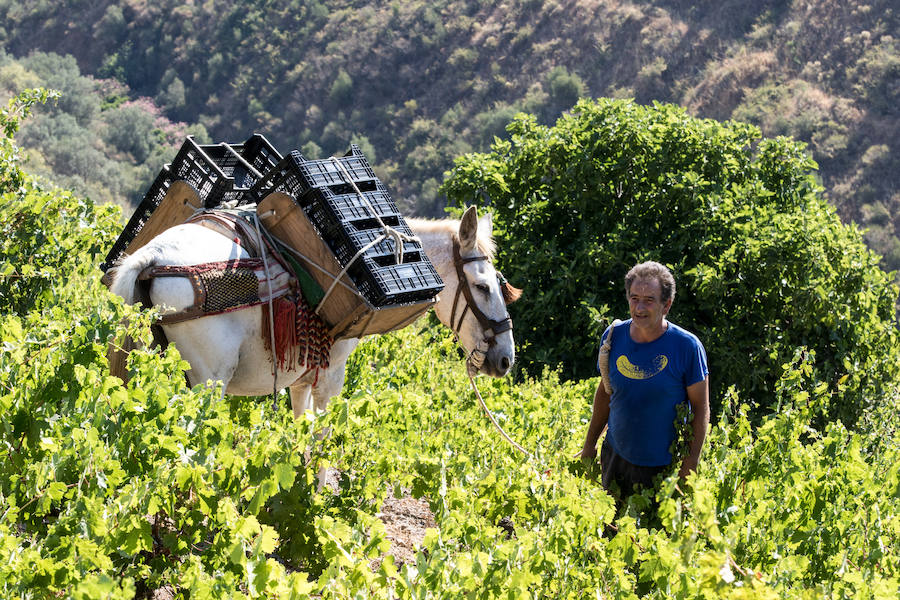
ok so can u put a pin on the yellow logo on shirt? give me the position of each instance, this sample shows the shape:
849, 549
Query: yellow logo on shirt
635, 372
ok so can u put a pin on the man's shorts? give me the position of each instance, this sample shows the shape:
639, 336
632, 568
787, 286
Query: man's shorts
625, 475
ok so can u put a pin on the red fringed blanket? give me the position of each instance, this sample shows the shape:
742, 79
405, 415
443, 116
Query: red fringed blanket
301, 336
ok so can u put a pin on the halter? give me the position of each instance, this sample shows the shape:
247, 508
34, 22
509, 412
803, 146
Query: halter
491, 327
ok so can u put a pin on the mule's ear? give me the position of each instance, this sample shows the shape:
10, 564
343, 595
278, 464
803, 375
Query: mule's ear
486, 223
468, 229
510, 293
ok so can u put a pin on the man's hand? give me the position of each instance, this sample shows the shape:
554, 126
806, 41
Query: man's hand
588, 454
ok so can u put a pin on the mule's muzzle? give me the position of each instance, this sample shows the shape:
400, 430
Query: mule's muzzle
497, 363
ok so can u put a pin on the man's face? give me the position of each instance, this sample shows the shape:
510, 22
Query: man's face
647, 310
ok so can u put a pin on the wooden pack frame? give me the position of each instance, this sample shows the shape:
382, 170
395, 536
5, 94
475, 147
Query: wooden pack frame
346, 311
177, 206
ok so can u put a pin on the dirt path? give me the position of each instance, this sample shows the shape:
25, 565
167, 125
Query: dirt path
405, 520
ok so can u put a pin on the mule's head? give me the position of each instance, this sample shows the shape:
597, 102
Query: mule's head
475, 298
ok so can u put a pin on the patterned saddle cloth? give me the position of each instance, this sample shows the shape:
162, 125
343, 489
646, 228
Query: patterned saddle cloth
301, 337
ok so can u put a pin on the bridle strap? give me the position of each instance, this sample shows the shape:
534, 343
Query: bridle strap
496, 327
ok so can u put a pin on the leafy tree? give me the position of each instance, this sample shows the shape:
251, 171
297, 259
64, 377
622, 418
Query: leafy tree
78, 97
565, 88
763, 265
342, 89
129, 129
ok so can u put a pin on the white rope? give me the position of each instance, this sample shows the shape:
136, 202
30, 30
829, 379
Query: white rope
387, 232
494, 421
398, 236
344, 270
262, 251
285, 246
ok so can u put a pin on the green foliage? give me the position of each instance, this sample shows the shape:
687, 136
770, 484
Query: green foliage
119, 491
45, 234
92, 139
17, 108
109, 490
564, 88
130, 129
763, 265
342, 89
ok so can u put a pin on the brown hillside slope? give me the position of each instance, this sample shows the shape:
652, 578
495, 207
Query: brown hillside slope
417, 83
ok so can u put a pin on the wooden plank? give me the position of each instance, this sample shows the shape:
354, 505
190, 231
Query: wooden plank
345, 311
349, 323
394, 317
178, 205
282, 216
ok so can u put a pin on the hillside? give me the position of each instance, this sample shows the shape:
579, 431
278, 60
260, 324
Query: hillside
417, 84
151, 489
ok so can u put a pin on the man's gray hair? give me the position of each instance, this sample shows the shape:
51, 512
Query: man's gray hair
652, 270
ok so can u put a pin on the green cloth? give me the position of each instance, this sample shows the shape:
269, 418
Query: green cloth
310, 288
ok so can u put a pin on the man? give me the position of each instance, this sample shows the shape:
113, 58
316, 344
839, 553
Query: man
654, 365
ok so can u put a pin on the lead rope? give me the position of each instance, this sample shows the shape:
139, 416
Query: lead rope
479, 352
473, 363
490, 415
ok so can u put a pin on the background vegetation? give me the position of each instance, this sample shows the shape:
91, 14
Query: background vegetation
763, 264
419, 83
92, 138
111, 491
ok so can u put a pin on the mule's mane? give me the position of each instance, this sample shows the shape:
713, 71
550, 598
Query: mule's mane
484, 241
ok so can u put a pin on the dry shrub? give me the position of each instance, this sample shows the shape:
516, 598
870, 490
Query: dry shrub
726, 83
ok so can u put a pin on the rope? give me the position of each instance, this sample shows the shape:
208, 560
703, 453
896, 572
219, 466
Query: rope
490, 415
398, 236
387, 232
285, 246
262, 250
346, 267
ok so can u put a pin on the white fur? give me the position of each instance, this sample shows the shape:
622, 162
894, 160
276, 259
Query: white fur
229, 347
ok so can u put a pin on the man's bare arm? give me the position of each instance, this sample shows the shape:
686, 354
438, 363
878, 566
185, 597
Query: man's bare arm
698, 395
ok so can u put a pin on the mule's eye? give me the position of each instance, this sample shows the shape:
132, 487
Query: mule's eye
483, 288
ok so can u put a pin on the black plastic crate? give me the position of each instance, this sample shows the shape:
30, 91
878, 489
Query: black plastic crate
397, 283
345, 207
243, 163
139, 217
259, 154
352, 234
334, 173
347, 241
296, 175
219, 173
201, 168
329, 211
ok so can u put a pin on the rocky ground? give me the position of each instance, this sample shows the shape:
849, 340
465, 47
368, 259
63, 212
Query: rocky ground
405, 521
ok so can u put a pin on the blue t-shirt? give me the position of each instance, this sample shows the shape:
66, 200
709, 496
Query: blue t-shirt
648, 381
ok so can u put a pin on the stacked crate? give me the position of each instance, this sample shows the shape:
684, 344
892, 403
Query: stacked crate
217, 172
348, 205
337, 209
